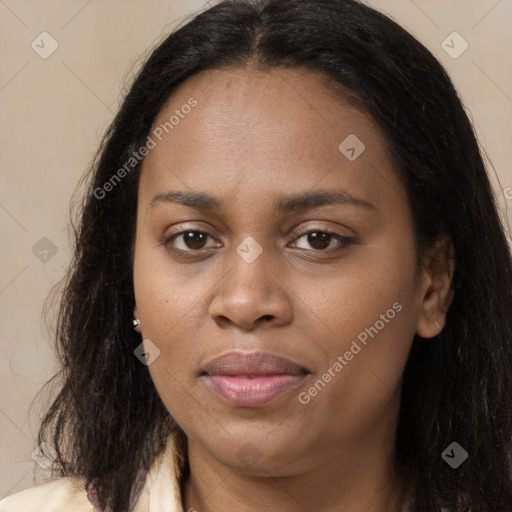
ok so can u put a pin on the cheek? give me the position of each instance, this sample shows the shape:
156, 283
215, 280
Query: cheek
176, 390
166, 310
367, 316
166, 293
362, 288
364, 353
169, 316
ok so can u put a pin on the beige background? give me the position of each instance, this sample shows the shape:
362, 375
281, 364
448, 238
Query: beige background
54, 111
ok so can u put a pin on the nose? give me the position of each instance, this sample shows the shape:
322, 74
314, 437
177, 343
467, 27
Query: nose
252, 295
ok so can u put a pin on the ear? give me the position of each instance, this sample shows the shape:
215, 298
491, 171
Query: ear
136, 328
436, 289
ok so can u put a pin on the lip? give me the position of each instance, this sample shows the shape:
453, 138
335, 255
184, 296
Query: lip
252, 379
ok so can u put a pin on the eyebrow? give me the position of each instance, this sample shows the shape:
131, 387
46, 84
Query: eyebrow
302, 201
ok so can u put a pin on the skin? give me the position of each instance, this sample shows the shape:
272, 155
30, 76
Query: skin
252, 136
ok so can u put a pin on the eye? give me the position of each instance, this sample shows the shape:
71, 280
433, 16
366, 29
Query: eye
190, 240
320, 240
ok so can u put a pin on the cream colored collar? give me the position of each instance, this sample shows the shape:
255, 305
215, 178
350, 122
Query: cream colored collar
161, 491
160, 487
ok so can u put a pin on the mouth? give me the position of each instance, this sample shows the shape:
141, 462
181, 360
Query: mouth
252, 379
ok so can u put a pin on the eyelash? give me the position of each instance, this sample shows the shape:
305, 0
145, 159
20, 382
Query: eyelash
343, 240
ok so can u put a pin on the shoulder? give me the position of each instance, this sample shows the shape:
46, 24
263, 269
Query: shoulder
69, 494
62, 495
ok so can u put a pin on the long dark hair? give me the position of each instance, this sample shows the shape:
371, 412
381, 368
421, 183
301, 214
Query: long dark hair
108, 422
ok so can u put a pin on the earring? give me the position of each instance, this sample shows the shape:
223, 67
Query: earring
436, 324
136, 323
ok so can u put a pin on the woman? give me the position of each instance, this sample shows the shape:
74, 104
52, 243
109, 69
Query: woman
292, 210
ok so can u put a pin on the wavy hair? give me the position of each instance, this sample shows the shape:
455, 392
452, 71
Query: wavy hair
107, 421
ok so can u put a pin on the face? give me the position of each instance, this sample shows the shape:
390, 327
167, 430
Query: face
314, 299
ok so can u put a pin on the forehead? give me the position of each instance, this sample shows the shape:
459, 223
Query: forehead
256, 132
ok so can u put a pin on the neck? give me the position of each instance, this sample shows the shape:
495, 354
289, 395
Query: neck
354, 479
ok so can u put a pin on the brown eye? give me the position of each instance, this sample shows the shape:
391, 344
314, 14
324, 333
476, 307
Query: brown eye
194, 239
189, 240
321, 240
